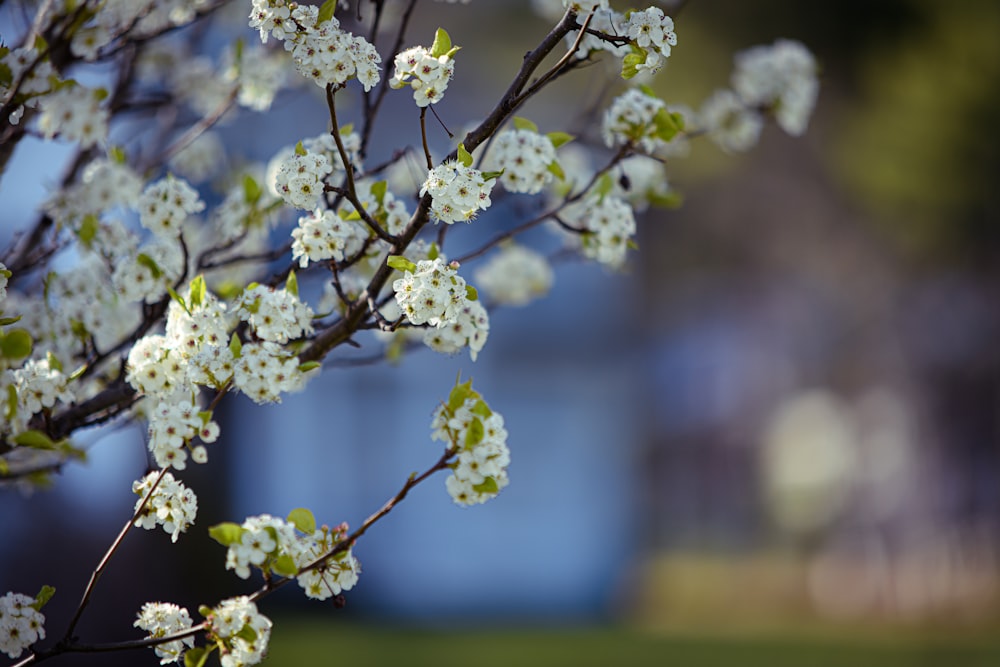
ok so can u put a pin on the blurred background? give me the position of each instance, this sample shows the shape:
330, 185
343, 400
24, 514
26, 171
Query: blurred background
774, 439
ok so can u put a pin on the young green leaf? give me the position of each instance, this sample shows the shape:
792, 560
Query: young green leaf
464, 156
441, 45
44, 595
226, 533
303, 519
292, 284
400, 263
560, 138
524, 124
196, 292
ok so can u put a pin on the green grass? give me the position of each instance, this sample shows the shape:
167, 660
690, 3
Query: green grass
300, 643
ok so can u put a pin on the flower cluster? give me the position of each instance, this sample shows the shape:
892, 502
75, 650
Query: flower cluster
32, 72
426, 71
242, 631
286, 547
780, 77
275, 315
635, 117
458, 191
21, 624
160, 619
607, 223
652, 35
166, 204
470, 328
264, 371
515, 276
299, 178
37, 386
731, 125
75, 113
325, 53
431, 293
779, 80
526, 159
468, 426
172, 504
325, 235
173, 425
146, 274
103, 184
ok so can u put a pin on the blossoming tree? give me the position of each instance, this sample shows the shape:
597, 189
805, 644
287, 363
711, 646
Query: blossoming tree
132, 297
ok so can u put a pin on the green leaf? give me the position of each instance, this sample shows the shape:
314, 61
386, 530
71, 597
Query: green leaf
326, 11
646, 90
251, 190
489, 175
433, 252
560, 138
247, 633
205, 416
149, 263
78, 372
196, 291
669, 199
11, 404
226, 533
459, 393
285, 566
442, 43
470, 293
4, 468
100, 94
488, 485
678, 119
43, 597
205, 611
378, 191
474, 434
400, 263
34, 439
666, 125
15, 344
292, 284
54, 362
603, 186
630, 64
88, 230
235, 346
300, 149
464, 156
346, 129
524, 124
556, 170
178, 298
196, 657
117, 154
303, 519
481, 409
4, 321
308, 366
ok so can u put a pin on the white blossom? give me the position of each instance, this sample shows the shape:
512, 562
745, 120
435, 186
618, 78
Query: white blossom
160, 619
21, 625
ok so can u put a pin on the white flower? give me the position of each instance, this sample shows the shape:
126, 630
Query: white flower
275, 315
515, 276
299, 179
433, 293
780, 77
607, 223
458, 192
172, 505
730, 123
324, 235
75, 114
160, 619
478, 435
650, 29
470, 328
228, 622
525, 158
21, 625
166, 204
427, 75
631, 119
